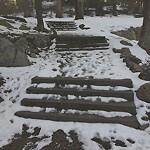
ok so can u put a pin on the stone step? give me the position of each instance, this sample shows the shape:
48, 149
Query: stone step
130, 121
82, 105
82, 49
64, 29
60, 22
80, 39
81, 45
64, 26
126, 94
83, 81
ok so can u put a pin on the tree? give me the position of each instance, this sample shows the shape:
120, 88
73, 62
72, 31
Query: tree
3, 7
58, 8
144, 40
79, 9
99, 8
26, 7
114, 11
38, 9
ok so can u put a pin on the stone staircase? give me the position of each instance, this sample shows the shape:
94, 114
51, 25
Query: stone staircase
62, 25
80, 109
80, 43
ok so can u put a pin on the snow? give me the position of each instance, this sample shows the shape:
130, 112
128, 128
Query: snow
99, 64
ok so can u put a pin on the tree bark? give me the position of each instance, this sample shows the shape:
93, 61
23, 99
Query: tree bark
38, 8
114, 11
79, 9
144, 40
58, 8
97, 8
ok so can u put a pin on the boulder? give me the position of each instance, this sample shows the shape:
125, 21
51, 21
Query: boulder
143, 93
125, 43
134, 67
12, 55
117, 50
145, 74
21, 56
131, 33
7, 53
125, 52
38, 40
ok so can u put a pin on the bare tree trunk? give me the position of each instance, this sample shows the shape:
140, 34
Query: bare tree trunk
114, 11
144, 40
86, 6
144, 8
38, 8
58, 8
97, 7
79, 9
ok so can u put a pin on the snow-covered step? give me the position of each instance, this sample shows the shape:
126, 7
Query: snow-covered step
82, 49
126, 94
62, 25
83, 105
82, 45
60, 22
74, 39
64, 28
130, 121
84, 81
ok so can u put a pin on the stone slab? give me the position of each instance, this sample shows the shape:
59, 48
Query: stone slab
126, 94
130, 121
83, 105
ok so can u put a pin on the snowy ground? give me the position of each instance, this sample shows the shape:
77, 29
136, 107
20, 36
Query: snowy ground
99, 64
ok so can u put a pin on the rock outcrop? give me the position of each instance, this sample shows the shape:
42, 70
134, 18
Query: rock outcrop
14, 52
131, 33
12, 55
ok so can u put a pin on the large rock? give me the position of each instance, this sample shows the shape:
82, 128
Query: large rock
21, 56
38, 40
131, 33
12, 55
143, 93
125, 43
145, 74
7, 53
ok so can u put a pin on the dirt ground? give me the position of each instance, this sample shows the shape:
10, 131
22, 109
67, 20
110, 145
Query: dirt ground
28, 141
60, 141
